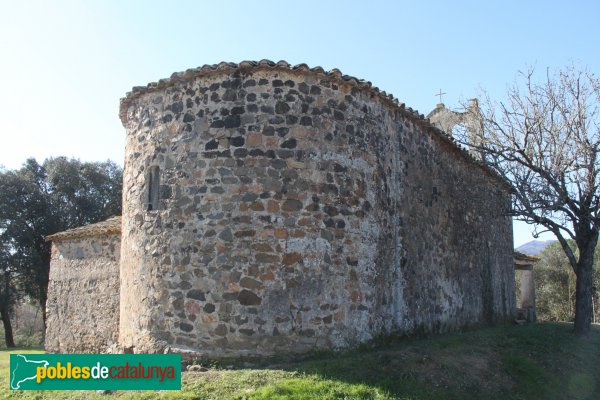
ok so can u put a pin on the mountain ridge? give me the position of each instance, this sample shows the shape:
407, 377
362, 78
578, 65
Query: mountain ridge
535, 247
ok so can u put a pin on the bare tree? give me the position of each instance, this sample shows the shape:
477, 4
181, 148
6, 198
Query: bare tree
544, 139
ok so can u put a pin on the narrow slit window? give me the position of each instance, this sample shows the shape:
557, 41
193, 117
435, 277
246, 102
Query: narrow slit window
153, 188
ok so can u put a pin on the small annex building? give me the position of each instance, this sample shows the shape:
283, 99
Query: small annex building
83, 292
269, 209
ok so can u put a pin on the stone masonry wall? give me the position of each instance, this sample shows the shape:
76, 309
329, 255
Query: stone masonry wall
457, 255
83, 295
296, 212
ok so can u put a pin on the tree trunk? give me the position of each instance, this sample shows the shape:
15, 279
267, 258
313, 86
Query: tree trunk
8, 332
583, 291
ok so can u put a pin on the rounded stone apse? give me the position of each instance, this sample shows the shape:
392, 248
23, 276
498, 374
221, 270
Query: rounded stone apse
276, 209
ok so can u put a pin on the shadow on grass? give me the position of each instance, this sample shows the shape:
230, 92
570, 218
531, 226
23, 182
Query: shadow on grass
517, 362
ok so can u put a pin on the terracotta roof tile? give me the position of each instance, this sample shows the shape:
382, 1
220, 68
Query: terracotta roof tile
109, 227
525, 257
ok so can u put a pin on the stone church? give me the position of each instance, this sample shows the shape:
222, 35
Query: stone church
270, 208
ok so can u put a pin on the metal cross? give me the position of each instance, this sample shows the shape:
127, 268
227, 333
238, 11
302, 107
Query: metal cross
440, 94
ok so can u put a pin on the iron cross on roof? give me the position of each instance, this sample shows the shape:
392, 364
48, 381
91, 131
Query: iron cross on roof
440, 94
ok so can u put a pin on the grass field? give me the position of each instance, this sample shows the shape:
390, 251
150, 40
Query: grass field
542, 361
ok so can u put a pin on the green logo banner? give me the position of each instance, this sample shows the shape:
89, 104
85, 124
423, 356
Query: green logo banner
95, 371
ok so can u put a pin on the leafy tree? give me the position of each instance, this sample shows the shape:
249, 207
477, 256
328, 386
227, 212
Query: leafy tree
39, 200
86, 192
555, 284
7, 294
544, 139
23, 218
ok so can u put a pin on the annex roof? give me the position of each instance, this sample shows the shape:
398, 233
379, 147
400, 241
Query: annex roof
110, 226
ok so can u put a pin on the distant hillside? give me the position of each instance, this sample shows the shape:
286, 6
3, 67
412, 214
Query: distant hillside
534, 247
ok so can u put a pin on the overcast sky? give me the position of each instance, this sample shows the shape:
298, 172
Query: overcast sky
65, 65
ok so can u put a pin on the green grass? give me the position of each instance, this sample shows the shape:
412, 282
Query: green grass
543, 361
